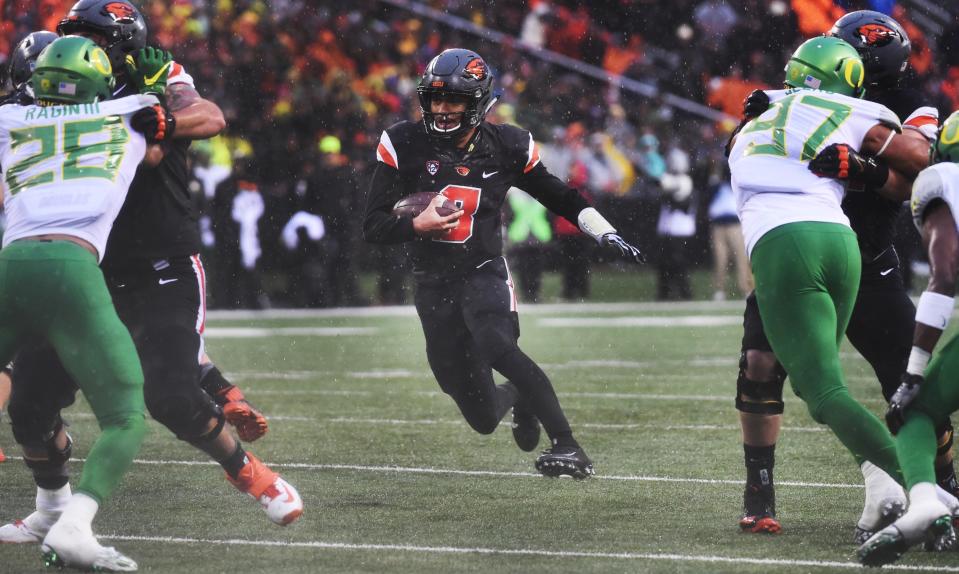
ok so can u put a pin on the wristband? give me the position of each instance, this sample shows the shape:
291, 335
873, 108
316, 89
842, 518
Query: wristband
593, 224
934, 309
918, 359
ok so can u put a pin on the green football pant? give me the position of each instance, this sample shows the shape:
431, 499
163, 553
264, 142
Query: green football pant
54, 290
807, 275
938, 398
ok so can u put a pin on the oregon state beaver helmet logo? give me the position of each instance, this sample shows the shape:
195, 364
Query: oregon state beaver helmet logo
876, 34
120, 11
475, 69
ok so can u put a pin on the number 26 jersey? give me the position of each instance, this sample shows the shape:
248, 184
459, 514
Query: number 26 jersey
769, 161
477, 178
67, 168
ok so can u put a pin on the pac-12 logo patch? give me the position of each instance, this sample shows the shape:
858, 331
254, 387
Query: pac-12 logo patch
432, 166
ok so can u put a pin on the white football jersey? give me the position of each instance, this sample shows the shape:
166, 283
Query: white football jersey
769, 161
66, 169
939, 181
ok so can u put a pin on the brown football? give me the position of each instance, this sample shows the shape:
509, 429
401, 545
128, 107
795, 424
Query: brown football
414, 205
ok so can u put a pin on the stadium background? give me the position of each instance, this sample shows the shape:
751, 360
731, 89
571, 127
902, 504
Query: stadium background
617, 92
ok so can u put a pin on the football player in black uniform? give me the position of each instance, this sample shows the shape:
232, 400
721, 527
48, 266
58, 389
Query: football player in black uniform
882, 321
464, 291
22, 60
158, 286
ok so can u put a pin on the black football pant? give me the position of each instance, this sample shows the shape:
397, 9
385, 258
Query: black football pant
163, 306
471, 328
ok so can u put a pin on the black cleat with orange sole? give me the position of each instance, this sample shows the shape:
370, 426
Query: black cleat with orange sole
759, 510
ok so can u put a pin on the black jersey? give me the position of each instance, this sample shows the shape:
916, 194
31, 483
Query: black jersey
872, 216
478, 177
159, 218
19, 97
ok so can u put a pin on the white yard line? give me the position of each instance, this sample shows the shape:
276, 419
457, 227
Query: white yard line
524, 309
671, 321
486, 473
459, 422
253, 392
639, 556
263, 332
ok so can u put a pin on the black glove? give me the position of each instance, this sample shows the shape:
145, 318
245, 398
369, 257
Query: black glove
625, 249
156, 123
839, 161
755, 104
903, 397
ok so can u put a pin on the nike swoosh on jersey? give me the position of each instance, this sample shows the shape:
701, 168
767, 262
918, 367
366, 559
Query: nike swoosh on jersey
886, 272
165, 281
490, 174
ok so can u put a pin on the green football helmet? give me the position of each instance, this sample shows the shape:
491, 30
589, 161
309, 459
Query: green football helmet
72, 70
947, 145
828, 64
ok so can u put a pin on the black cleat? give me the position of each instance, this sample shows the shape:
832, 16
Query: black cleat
525, 429
565, 461
759, 510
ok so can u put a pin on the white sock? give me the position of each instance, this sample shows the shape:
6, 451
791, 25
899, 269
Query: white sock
53, 501
80, 510
924, 508
880, 487
945, 497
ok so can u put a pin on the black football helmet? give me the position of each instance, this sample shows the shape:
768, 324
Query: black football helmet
881, 42
118, 21
24, 57
456, 72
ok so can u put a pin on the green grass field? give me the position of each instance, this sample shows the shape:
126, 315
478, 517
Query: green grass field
394, 481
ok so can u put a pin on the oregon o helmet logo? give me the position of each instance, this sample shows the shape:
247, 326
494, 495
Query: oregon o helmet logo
949, 134
101, 61
853, 72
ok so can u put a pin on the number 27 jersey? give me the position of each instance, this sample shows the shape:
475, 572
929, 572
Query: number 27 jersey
769, 161
67, 168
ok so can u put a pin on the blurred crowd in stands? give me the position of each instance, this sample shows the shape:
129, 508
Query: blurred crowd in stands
308, 85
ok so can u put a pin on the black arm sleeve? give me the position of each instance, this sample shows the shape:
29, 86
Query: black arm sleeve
549, 190
380, 225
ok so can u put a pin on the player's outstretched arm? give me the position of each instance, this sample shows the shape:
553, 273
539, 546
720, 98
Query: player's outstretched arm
565, 201
887, 162
196, 118
935, 307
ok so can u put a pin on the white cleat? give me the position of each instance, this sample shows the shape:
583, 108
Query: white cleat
73, 545
926, 521
280, 501
885, 502
30, 530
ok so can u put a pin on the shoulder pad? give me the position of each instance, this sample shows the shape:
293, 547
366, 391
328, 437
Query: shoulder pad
929, 185
888, 118
178, 75
926, 120
397, 137
522, 147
